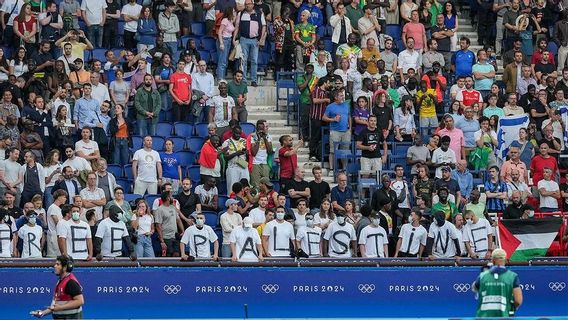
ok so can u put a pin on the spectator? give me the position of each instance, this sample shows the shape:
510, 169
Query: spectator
146, 169
87, 110
208, 194
283, 40
105, 180
202, 81
238, 90
514, 209
510, 24
406, 9
516, 184
87, 148
25, 27
224, 44
277, 234
404, 126
390, 58
443, 36
259, 144
475, 205
469, 96
484, 73
462, 60
478, 235
119, 89
448, 182
554, 144
199, 238
430, 57
31, 234
144, 230
306, 84
319, 189
557, 124
337, 114
340, 239
94, 15
544, 66
55, 82
410, 231
32, 176
131, 14
401, 188
75, 236
148, 104
189, 201
415, 30
368, 26
422, 185
297, 188
350, 51
119, 136
486, 141
456, 137
368, 141
469, 126
245, 243
222, 109
67, 184
341, 193
107, 241
210, 165
439, 235
251, 28
30, 140
512, 109
93, 197
180, 89
305, 37
373, 241
464, 179
43, 57
319, 99
287, 155
258, 214
118, 200
235, 154
229, 221
426, 101
525, 80
409, 59
514, 163
146, 30
53, 217
168, 24
549, 192
171, 166
510, 74
110, 27
444, 205
354, 12
168, 224
496, 191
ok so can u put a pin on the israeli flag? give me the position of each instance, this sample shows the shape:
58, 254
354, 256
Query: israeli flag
564, 115
508, 131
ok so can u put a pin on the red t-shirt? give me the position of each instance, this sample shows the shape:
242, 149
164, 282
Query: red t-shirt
470, 98
26, 25
538, 163
287, 164
182, 85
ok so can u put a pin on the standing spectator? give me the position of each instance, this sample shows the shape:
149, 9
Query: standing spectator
430, 57
12, 9
510, 24
199, 238
349, 51
202, 81
297, 188
549, 192
224, 36
561, 37
171, 166
337, 114
426, 101
443, 36
412, 237
208, 194
305, 36
341, 193
447, 182
107, 241
93, 196
251, 30
514, 163
162, 75
463, 60
180, 90
340, 239
105, 180
222, 109
341, 25
259, 144
25, 28
465, 181
99, 90
87, 110
87, 148
238, 90
229, 221
110, 28
94, 15
469, 95
445, 205
32, 176
469, 126
496, 191
443, 156
417, 155
287, 154
244, 243
517, 185
306, 84
67, 184
389, 57
283, 41
456, 136
144, 230
320, 99
235, 152
147, 30
373, 240
54, 216
369, 142
209, 163
119, 89
409, 59
131, 14
146, 169
168, 24
415, 30
368, 26
451, 22
168, 224
478, 235
525, 80
148, 104
319, 189
512, 109
277, 236
484, 73
512, 72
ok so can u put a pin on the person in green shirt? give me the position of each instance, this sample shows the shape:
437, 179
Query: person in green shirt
237, 89
498, 289
447, 207
476, 206
354, 13
306, 84
305, 37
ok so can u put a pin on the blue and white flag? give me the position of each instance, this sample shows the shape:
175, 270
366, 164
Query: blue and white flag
564, 115
508, 131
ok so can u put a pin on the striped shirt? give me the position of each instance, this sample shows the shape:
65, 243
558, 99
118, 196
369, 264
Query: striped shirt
318, 109
494, 204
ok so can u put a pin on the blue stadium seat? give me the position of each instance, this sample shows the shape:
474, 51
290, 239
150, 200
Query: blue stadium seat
116, 170
158, 143
186, 158
211, 218
128, 197
205, 55
248, 128
222, 199
137, 142
125, 184
201, 130
128, 172
209, 43
99, 54
150, 198
394, 31
198, 28
194, 143
164, 129
183, 129
179, 143
120, 28
328, 46
193, 173
400, 148
222, 188
320, 32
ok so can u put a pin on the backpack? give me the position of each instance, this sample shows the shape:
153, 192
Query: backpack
218, 18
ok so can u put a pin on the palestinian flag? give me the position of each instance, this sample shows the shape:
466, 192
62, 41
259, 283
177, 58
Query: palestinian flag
527, 238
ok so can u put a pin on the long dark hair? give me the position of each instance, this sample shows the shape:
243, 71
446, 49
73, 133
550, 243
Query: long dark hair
454, 11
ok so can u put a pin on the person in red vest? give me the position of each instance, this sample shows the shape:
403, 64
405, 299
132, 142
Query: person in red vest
68, 298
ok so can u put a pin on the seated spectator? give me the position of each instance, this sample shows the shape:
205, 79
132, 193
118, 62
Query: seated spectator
444, 205
549, 192
340, 193
514, 209
208, 194
496, 191
478, 236
443, 156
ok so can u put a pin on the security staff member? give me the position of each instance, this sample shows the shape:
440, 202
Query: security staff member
68, 299
499, 291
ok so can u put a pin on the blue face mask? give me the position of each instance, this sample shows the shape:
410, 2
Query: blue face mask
75, 216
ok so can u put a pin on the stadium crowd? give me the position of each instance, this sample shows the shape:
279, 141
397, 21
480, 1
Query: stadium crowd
142, 152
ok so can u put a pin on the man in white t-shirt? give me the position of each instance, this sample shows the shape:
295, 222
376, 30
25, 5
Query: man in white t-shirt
412, 237
373, 240
54, 216
61, 227
76, 236
245, 243
549, 192
93, 196
258, 214
9, 174
198, 238
277, 234
94, 15
308, 239
130, 13
87, 148
340, 239
111, 233
222, 109
78, 164
443, 238
31, 235
229, 221
146, 169
478, 236
443, 156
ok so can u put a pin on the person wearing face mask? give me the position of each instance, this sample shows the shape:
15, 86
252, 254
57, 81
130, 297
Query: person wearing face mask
308, 239
373, 240
75, 236
245, 243
443, 239
111, 233
412, 237
340, 240
459, 223
198, 238
32, 236
478, 236
277, 235
61, 227
8, 236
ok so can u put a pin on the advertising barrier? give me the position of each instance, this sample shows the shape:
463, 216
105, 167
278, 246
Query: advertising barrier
279, 292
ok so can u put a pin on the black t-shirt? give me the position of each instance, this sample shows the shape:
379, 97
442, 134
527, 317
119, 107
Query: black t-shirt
544, 68
298, 186
550, 144
15, 212
368, 138
187, 203
384, 115
73, 288
444, 44
318, 192
537, 106
452, 185
111, 8
512, 212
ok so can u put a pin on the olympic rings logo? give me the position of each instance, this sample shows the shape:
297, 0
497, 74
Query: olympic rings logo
366, 287
270, 288
172, 289
557, 286
462, 287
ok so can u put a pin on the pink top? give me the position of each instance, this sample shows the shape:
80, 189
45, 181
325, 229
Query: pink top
416, 31
456, 140
229, 28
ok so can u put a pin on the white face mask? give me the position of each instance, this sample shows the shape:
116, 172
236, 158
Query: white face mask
199, 222
280, 215
409, 219
469, 221
341, 220
531, 214
309, 223
75, 216
32, 221
375, 222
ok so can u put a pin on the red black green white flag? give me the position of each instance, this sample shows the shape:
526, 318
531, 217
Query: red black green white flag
527, 238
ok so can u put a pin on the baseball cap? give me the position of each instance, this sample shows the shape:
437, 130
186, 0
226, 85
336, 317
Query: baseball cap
446, 168
247, 222
499, 254
230, 202
266, 181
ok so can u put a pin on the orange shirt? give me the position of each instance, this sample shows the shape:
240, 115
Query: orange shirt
122, 131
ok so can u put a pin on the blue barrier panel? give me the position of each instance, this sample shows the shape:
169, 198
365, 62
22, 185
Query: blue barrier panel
279, 292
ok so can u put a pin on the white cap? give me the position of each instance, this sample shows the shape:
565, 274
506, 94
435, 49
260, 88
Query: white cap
247, 222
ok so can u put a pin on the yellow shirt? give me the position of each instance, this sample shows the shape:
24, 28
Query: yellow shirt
77, 50
428, 107
371, 56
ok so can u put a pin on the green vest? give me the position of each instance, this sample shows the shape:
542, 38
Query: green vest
495, 295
